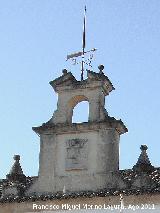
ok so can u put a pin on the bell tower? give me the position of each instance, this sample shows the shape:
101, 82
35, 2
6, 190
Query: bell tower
79, 156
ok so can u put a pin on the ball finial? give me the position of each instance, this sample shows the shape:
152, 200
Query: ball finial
101, 68
16, 157
64, 71
143, 147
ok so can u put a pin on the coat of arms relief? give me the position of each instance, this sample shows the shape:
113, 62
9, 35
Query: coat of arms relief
76, 153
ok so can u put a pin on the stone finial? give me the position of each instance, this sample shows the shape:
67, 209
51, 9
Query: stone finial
101, 68
16, 157
143, 147
16, 172
143, 164
16, 168
64, 71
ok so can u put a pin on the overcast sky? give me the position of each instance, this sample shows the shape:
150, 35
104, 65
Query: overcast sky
36, 36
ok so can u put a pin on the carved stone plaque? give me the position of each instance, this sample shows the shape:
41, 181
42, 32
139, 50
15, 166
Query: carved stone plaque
76, 153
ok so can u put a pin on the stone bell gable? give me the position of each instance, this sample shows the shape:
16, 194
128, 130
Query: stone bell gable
71, 92
79, 156
80, 160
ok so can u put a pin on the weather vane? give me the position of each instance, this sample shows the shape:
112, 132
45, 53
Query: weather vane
86, 56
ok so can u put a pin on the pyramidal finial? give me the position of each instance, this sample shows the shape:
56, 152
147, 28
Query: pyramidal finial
16, 172
143, 164
16, 168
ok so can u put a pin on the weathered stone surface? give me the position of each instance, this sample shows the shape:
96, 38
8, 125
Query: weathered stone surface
76, 154
75, 157
100, 154
143, 164
71, 92
79, 156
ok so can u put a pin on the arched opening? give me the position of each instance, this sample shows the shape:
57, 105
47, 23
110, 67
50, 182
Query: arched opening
81, 112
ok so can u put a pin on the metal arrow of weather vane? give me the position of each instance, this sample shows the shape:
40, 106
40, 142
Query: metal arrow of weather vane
83, 53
